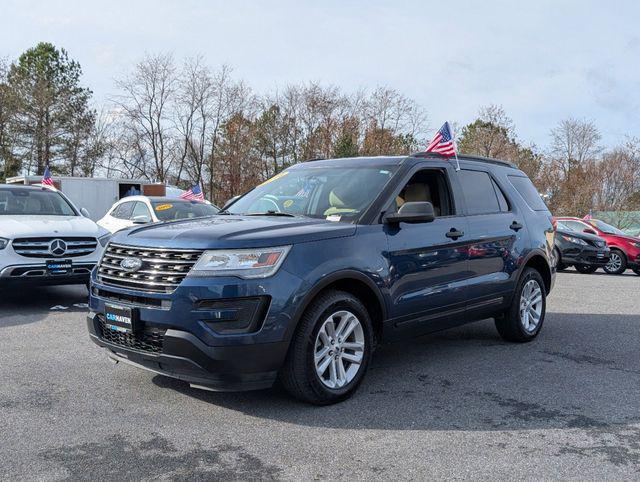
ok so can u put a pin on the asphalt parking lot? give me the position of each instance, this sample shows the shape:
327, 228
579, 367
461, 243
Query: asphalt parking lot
458, 404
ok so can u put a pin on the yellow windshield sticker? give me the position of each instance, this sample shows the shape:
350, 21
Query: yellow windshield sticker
275, 178
163, 207
288, 203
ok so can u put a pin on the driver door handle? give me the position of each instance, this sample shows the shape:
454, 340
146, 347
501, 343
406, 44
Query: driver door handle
453, 233
516, 226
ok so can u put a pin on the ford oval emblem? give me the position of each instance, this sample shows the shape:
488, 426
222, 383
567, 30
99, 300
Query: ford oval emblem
131, 264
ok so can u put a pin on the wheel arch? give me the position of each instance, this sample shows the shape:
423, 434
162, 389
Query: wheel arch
353, 282
538, 261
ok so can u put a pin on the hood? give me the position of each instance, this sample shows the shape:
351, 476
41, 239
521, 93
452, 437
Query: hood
226, 231
579, 235
36, 226
625, 237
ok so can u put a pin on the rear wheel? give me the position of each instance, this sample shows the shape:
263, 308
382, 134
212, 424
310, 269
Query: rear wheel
523, 320
330, 351
617, 262
586, 269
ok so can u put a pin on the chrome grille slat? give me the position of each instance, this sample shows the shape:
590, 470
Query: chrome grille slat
162, 269
39, 247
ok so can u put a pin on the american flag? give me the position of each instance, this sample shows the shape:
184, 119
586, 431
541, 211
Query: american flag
443, 142
193, 194
47, 180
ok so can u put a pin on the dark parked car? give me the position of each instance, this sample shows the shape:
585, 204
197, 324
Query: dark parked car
585, 252
301, 277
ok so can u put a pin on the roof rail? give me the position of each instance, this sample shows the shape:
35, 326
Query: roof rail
466, 157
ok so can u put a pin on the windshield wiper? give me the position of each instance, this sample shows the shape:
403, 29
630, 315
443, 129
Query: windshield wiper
272, 213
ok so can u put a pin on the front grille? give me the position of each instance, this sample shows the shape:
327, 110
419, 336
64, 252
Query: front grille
39, 247
162, 270
151, 340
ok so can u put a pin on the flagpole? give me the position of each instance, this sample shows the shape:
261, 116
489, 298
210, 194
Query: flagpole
455, 149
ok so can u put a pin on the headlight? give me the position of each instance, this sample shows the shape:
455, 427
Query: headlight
637, 245
243, 263
104, 239
3, 243
571, 239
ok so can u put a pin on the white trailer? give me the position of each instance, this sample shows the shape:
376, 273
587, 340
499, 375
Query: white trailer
96, 194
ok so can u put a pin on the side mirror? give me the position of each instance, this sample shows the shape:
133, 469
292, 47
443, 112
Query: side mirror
85, 213
589, 231
411, 212
141, 219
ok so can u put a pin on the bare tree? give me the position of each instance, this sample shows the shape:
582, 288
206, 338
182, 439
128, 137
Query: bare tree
574, 142
146, 105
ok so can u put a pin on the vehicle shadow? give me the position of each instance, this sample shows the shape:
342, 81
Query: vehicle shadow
583, 371
30, 304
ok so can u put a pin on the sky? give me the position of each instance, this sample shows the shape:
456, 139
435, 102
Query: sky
542, 61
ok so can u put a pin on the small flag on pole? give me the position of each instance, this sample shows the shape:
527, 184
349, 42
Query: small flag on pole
47, 180
193, 194
443, 143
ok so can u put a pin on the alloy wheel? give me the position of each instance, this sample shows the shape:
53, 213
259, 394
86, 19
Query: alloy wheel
339, 349
531, 306
615, 262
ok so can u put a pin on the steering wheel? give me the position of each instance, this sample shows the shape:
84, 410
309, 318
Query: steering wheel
276, 208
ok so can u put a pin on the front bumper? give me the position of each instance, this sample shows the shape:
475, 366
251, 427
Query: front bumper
37, 274
181, 337
585, 255
185, 357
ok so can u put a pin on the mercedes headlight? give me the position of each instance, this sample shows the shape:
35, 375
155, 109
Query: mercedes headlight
3, 243
243, 263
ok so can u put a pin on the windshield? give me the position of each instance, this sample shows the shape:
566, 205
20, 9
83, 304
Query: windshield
178, 209
563, 226
19, 202
326, 192
606, 228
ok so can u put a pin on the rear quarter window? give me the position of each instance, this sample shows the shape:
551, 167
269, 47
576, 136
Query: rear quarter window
529, 193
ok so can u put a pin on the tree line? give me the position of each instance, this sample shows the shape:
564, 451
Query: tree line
181, 122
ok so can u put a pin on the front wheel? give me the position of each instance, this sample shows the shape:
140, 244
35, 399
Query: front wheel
617, 262
523, 320
330, 350
586, 269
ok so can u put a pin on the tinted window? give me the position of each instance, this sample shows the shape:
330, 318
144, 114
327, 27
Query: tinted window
123, 211
529, 193
141, 210
502, 199
16, 202
479, 192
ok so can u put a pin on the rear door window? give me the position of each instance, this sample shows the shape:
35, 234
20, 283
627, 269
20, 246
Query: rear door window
529, 193
480, 193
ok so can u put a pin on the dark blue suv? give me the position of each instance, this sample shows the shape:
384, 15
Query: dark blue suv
301, 277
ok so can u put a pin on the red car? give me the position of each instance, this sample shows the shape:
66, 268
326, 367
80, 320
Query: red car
625, 249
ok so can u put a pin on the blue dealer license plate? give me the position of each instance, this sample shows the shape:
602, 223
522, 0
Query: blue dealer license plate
120, 318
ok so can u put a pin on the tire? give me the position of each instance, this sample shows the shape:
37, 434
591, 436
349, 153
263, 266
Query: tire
513, 325
558, 256
585, 268
299, 375
617, 263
